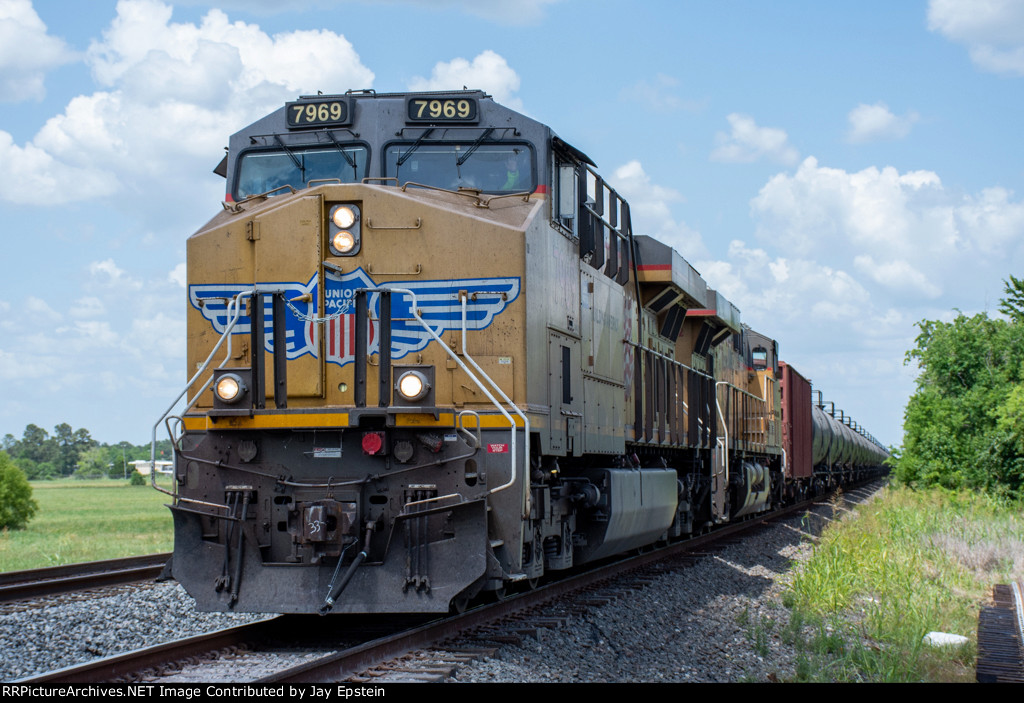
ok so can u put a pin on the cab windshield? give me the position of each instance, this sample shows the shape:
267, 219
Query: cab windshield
491, 168
262, 171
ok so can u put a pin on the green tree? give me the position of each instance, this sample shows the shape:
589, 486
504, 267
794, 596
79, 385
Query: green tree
962, 426
16, 504
70, 445
41, 471
1013, 304
93, 463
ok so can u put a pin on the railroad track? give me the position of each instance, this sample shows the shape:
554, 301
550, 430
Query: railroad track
1001, 636
33, 583
270, 652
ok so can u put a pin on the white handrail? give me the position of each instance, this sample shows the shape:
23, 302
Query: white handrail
457, 360
526, 420
234, 317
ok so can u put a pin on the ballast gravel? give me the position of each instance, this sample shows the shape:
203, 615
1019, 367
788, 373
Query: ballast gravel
718, 620
73, 630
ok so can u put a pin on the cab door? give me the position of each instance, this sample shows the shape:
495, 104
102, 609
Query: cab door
565, 394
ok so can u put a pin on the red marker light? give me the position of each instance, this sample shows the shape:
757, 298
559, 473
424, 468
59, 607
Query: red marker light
372, 442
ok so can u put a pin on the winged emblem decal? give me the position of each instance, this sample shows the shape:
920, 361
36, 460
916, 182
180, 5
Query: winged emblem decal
437, 301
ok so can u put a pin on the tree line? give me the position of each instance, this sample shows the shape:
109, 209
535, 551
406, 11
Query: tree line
69, 452
964, 425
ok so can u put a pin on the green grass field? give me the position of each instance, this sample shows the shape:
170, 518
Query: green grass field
89, 520
908, 563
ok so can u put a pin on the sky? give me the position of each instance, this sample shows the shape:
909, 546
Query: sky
838, 170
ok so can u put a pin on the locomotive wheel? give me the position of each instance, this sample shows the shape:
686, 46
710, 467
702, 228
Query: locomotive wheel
500, 594
531, 584
460, 604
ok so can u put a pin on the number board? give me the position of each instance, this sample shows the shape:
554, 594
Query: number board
441, 110
316, 113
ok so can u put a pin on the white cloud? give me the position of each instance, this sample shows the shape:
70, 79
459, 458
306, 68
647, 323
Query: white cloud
90, 335
21, 366
123, 335
808, 210
174, 91
177, 276
747, 143
500, 11
784, 289
161, 335
488, 71
992, 30
107, 274
649, 207
142, 39
897, 275
39, 310
87, 307
904, 231
869, 123
978, 21
991, 221
32, 176
27, 52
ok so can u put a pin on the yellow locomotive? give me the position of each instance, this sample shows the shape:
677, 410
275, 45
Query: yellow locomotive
430, 359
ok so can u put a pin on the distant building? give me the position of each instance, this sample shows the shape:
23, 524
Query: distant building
144, 466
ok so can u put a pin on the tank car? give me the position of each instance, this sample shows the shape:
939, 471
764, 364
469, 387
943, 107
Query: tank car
430, 360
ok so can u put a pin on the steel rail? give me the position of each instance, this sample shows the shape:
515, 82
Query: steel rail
350, 661
50, 580
340, 666
131, 664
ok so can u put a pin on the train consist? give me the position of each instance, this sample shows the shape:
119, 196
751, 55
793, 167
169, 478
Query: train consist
432, 360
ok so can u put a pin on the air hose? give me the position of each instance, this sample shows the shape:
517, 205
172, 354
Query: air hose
333, 590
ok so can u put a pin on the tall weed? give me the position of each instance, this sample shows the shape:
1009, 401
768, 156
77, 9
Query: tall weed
911, 562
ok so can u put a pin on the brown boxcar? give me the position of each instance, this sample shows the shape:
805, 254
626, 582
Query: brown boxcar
797, 429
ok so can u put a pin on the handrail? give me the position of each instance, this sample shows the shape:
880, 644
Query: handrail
234, 313
526, 420
462, 365
667, 358
725, 428
233, 320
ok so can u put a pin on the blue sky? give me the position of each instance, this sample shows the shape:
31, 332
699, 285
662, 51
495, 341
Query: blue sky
839, 170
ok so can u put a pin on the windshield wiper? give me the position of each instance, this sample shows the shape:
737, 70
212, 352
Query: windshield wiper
474, 146
347, 156
294, 158
404, 157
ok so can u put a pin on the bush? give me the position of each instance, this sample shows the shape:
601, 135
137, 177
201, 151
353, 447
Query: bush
138, 479
41, 471
963, 427
16, 504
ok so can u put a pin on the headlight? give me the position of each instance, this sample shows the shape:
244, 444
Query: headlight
412, 385
344, 230
342, 242
344, 217
229, 388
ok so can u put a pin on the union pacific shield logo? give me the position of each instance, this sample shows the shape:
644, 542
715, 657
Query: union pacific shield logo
438, 302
